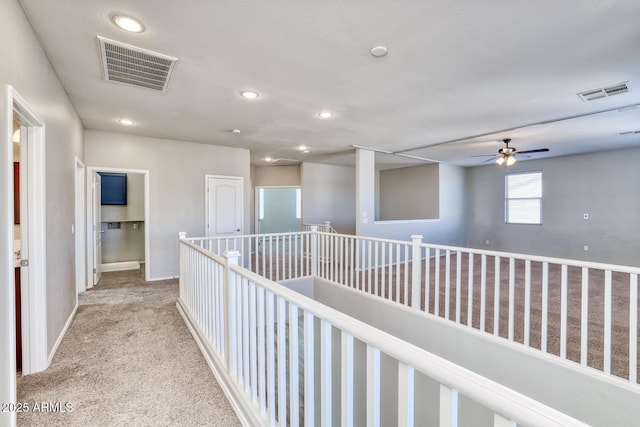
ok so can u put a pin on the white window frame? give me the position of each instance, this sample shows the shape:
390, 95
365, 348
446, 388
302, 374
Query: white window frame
507, 199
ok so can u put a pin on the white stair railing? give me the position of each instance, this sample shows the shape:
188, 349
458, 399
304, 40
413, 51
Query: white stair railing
543, 303
260, 340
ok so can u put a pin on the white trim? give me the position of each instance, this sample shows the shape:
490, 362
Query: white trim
120, 266
157, 279
34, 308
62, 334
147, 225
79, 226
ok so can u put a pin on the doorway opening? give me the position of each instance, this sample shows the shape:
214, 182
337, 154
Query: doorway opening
279, 209
117, 222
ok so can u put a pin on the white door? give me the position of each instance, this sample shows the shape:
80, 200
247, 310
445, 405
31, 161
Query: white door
97, 227
224, 205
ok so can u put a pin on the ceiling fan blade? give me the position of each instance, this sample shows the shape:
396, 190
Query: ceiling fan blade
539, 150
484, 155
491, 159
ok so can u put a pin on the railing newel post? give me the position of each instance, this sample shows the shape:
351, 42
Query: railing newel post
416, 272
232, 257
181, 236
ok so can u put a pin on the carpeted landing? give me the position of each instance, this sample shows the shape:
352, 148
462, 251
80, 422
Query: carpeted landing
127, 359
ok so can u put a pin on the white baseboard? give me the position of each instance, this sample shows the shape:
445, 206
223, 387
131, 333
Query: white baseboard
120, 266
62, 333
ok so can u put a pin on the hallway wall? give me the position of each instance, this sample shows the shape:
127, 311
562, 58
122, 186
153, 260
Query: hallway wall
24, 65
177, 172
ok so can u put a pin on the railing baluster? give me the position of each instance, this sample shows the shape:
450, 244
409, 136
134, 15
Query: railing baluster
496, 296
633, 328
458, 284
470, 292
253, 339
527, 302
309, 371
262, 357
326, 384
607, 322
436, 287
584, 318
373, 387
427, 281
448, 406
545, 306
406, 275
447, 283
368, 287
282, 361
500, 421
483, 291
397, 285
348, 392
406, 391
383, 278
512, 297
563, 311
294, 372
245, 336
377, 272
271, 359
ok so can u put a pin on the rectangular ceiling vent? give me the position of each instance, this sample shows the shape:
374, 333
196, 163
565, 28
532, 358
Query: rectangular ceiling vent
590, 95
629, 132
135, 66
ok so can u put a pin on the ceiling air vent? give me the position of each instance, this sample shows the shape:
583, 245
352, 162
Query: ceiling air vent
590, 95
629, 132
135, 66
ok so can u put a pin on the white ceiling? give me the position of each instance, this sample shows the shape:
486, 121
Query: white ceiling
455, 70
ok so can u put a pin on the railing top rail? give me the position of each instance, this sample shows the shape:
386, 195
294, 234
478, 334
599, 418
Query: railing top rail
499, 398
537, 258
372, 239
242, 236
216, 258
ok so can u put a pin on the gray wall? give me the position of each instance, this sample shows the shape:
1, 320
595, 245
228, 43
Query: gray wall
177, 172
24, 65
328, 194
606, 185
276, 176
409, 193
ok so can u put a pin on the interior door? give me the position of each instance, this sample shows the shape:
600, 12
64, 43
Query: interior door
224, 206
97, 227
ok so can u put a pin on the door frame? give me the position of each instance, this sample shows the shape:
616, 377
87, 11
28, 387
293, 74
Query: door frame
89, 220
79, 226
34, 297
206, 200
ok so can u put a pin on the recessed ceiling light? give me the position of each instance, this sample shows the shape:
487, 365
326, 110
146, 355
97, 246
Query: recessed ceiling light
128, 24
236, 131
249, 94
379, 51
267, 159
305, 151
325, 114
126, 122
303, 147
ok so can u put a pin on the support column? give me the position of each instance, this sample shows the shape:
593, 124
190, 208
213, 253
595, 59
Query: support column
365, 190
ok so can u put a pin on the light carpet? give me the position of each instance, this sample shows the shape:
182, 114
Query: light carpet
127, 359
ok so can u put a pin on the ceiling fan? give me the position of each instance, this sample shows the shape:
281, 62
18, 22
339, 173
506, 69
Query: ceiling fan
507, 155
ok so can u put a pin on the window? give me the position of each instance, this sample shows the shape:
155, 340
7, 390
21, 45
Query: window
523, 198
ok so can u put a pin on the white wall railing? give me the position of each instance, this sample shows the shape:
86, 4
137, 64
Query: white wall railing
272, 352
324, 227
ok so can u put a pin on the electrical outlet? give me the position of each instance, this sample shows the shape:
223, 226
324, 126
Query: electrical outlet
486, 242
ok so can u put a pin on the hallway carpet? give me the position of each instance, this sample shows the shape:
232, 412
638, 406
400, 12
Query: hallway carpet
127, 359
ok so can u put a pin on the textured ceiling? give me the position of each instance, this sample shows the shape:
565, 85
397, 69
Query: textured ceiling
458, 78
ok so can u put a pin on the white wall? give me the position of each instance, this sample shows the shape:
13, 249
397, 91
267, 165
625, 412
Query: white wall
606, 185
24, 65
177, 172
328, 194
